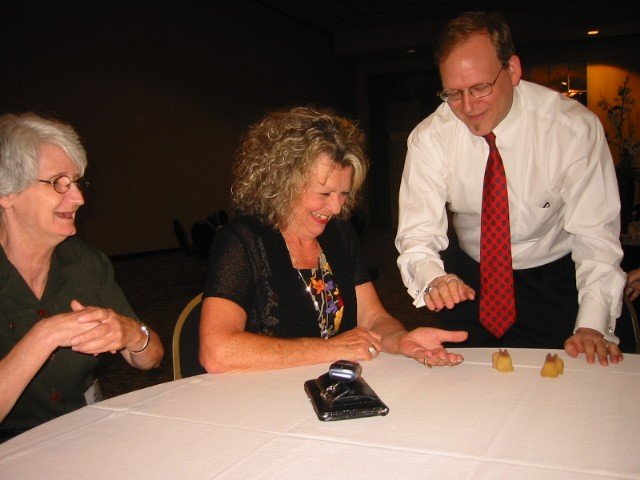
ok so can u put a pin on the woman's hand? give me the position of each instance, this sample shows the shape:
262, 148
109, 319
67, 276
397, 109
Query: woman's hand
357, 345
25, 359
425, 345
111, 332
60, 329
447, 291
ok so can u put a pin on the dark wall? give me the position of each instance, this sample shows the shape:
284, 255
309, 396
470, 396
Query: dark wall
160, 93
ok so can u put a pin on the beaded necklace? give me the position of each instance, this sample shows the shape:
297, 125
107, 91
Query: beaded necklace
324, 295
320, 308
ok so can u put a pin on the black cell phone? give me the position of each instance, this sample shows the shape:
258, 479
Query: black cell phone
345, 371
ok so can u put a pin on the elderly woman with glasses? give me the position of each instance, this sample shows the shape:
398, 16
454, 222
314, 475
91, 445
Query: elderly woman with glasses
287, 283
59, 304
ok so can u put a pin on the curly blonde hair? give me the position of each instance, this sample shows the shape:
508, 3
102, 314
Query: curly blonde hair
279, 154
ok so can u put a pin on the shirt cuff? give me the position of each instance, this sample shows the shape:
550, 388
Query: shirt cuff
422, 280
596, 316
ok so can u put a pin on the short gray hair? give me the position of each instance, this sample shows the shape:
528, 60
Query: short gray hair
21, 136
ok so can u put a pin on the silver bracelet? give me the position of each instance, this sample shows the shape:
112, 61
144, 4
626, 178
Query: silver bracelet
147, 332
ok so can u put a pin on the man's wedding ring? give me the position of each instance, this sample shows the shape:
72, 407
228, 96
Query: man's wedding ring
450, 279
373, 351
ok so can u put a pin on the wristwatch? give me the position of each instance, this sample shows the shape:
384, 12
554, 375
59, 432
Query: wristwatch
147, 331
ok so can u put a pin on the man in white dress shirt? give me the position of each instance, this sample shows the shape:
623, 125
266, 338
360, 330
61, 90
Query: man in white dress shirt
563, 201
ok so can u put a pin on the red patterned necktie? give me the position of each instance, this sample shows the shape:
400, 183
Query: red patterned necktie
497, 300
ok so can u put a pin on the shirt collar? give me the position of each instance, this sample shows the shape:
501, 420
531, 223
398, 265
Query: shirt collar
506, 130
61, 270
11, 282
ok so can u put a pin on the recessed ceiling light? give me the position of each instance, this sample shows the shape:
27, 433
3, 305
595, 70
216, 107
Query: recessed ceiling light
593, 32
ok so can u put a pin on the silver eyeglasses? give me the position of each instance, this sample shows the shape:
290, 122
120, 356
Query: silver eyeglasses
62, 184
480, 90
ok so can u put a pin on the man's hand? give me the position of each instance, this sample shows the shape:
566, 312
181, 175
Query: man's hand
446, 291
592, 343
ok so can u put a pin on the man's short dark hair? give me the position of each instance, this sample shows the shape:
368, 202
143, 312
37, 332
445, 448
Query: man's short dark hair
468, 24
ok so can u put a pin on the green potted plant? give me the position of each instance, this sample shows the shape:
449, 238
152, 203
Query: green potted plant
619, 116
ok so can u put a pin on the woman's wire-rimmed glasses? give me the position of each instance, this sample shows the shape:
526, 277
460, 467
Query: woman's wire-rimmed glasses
480, 90
62, 183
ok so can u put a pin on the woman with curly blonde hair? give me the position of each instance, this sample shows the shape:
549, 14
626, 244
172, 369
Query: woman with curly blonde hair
287, 284
279, 153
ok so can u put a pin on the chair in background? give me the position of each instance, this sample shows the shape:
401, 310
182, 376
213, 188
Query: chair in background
223, 217
627, 329
212, 218
359, 221
181, 236
183, 242
628, 304
186, 341
202, 234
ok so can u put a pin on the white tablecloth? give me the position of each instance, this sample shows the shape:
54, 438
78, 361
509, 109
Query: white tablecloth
465, 422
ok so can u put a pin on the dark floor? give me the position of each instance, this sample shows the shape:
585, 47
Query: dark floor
158, 291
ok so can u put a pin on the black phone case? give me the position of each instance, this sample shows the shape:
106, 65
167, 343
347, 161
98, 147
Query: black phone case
342, 401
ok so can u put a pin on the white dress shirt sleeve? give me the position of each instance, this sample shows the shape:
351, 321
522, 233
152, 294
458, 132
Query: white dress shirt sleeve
592, 218
422, 222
